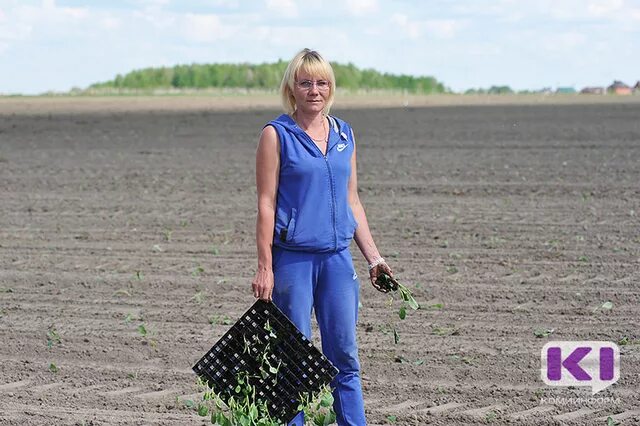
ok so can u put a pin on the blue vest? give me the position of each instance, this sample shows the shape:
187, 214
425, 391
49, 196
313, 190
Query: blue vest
312, 208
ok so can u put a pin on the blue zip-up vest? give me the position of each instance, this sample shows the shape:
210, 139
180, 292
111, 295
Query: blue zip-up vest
312, 208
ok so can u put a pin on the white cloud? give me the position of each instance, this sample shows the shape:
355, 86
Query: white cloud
410, 28
203, 28
110, 23
564, 42
286, 8
443, 28
604, 8
362, 7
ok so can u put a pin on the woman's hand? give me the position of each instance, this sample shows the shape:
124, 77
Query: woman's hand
376, 271
263, 284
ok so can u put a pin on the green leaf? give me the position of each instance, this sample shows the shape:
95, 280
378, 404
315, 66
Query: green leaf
392, 419
53, 368
403, 312
419, 362
542, 332
327, 400
188, 403
607, 305
203, 410
142, 330
396, 336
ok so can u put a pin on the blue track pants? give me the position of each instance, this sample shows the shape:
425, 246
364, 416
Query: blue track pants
328, 284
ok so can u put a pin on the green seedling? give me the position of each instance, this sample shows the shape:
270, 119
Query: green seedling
543, 332
623, 341
142, 330
583, 258
167, 234
387, 284
53, 337
220, 320
184, 223
199, 270
53, 368
452, 269
491, 416
156, 248
444, 331
215, 251
611, 421
139, 275
392, 419
436, 306
130, 318
122, 292
198, 297
606, 306
6, 290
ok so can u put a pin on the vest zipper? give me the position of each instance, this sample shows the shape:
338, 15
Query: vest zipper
331, 188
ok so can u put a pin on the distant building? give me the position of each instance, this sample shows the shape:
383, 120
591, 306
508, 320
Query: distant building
619, 88
593, 91
636, 88
565, 90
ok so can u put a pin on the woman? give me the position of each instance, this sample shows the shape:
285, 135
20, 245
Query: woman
308, 213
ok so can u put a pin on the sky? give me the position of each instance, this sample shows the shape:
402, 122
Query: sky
54, 45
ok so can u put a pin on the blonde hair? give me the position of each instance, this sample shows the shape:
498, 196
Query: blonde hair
310, 62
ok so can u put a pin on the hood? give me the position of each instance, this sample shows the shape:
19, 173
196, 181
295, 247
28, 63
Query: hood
338, 130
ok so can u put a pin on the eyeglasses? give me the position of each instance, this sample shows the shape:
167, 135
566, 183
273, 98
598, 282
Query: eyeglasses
322, 85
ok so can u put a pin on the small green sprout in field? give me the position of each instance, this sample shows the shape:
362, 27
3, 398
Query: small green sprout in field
6, 290
606, 306
166, 233
199, 270
53, 337
142, 330
198, 297
220, 320
183, 223
494, 242
53, 368
583, 258
444, 331
543, 332
452, 269
465, 359
129, 318
215, 251
147, 335
491, 416
455, 256
122, 292
156, 248
139, 275
392, 419
611, 421
624, 341
132, 376
221, 281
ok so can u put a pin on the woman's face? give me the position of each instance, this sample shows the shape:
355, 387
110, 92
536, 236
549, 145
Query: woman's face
311, 93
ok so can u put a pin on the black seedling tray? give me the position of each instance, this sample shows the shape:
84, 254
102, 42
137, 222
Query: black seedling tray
264, 329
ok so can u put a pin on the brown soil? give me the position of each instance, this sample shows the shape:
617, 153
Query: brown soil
516, 218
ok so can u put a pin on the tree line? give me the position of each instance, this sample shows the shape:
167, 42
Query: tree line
265, 76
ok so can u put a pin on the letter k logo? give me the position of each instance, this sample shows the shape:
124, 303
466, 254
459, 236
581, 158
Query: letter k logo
571, 363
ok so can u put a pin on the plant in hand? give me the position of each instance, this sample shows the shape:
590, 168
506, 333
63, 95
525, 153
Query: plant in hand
388, 284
